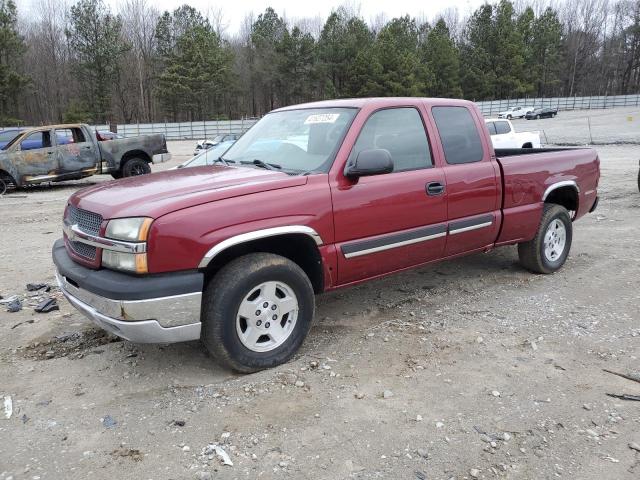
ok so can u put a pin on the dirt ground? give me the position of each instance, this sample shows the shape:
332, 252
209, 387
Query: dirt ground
473, 368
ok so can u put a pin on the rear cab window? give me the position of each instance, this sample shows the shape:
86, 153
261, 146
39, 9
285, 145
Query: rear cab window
459, 135
401, 132
502, 128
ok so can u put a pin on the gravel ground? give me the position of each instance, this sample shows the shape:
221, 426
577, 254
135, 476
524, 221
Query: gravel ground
472, 368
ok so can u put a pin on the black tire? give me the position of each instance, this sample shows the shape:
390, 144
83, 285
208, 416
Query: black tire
537, 117
117, 174
509, 117
222, 299
135, 166
532, 253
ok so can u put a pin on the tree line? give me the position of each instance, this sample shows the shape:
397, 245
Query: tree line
85, 62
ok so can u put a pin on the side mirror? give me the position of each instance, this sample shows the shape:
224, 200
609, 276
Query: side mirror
369, 162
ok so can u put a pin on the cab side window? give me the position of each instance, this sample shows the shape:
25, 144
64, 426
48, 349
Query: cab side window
401, 132
36, 140
459, 135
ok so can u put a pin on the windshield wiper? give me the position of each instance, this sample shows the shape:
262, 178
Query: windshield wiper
259, 163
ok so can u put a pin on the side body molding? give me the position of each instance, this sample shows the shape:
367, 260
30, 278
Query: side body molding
555, 186
256, 235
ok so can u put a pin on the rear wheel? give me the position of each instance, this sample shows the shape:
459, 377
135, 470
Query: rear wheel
256, 312
549, 249
117, 174
537, 117
135, 166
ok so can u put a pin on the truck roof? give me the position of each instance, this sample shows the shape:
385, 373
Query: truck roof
378, 102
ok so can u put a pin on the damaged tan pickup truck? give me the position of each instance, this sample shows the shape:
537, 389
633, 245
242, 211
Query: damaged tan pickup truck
54, 153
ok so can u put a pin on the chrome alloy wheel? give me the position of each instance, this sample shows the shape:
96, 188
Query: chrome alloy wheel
267, 316
555, 240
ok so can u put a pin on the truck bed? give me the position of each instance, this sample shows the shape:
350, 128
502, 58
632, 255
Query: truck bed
528, 173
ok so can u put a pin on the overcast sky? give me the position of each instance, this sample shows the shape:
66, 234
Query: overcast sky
234, 11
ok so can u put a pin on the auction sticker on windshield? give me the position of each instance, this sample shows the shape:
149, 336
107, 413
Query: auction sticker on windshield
322, 118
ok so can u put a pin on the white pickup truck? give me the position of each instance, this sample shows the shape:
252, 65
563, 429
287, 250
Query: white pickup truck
503, 135
515, 112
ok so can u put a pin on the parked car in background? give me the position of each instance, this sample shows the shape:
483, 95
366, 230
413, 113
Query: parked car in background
503, 135
233, 254
514, 112
206, 144
104, 135
55, 153
207, 157
544, 112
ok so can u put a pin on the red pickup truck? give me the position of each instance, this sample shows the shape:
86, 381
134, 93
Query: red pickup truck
314, 197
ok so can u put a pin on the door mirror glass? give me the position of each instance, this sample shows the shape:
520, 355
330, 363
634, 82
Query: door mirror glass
375, 161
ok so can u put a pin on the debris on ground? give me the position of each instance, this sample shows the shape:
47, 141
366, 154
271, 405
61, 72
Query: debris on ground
634, 446
625, 396
5, 301
634, 377
132, 453
34, 287
22, 323
47, 305
8, 407
14, 305
220, 452
178, 423
108, 421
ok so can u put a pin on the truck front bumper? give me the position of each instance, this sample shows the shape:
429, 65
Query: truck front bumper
151, 309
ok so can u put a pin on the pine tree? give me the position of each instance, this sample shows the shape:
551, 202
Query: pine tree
96, 43
12, 46
443, 59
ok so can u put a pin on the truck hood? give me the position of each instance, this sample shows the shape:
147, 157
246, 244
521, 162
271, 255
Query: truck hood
160, 193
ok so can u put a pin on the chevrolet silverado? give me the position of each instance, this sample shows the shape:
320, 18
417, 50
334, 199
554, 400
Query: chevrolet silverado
312, 198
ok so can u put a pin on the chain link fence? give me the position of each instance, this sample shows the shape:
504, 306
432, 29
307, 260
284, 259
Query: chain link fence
493, 107
188, 130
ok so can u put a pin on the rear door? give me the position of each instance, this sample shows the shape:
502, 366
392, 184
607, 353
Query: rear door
472, 178
75, 151
390, 221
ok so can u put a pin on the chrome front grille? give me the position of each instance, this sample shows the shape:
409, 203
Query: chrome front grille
84, 250
88, 222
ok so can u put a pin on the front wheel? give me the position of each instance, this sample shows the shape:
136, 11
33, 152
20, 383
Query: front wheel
256, 312
549, 249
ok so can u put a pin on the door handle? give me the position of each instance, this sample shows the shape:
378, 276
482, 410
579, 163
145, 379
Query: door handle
50, 153
435, 188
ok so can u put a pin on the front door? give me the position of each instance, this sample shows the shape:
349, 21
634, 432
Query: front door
391, 221
35, 156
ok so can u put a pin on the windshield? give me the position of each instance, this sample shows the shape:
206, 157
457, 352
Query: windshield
208, 157
297, 141
7, 136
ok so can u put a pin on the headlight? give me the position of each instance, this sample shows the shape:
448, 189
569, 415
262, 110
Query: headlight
129, 229
129, 262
